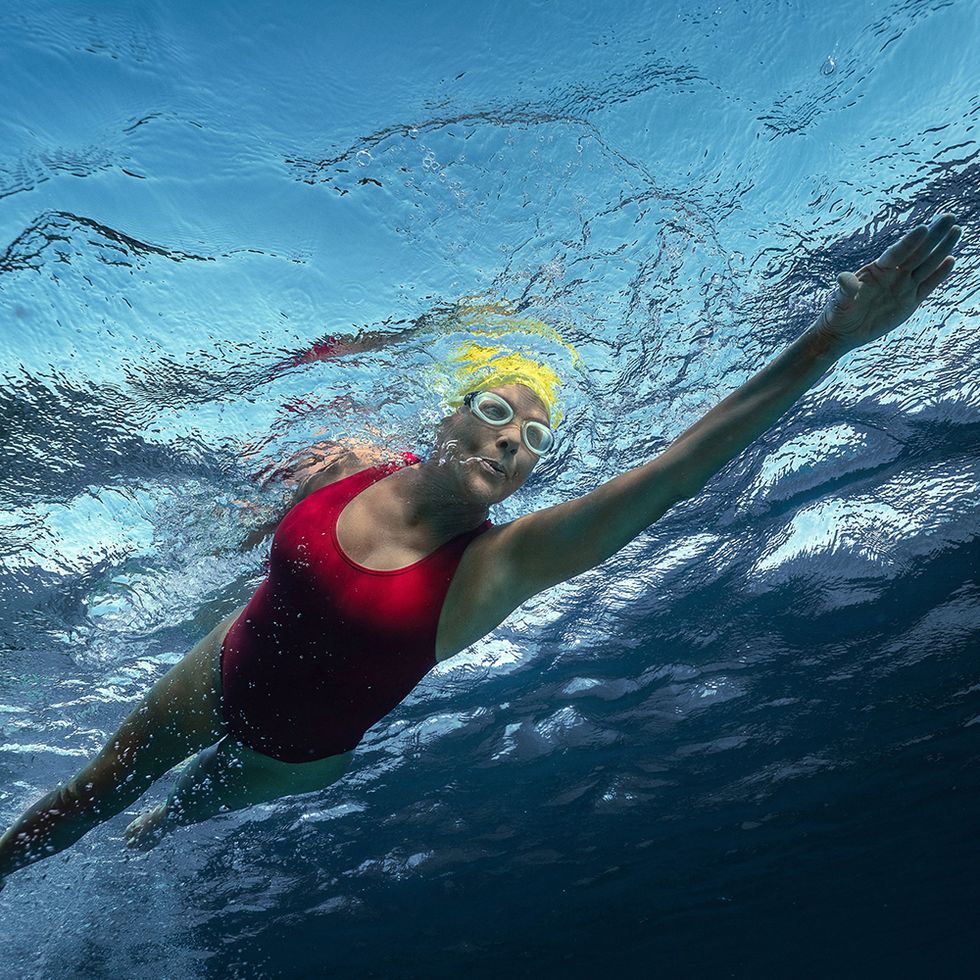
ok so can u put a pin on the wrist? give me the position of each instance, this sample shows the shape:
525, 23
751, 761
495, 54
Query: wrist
823, 345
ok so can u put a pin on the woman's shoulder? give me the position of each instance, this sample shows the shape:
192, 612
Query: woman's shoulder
347, 457
361, 454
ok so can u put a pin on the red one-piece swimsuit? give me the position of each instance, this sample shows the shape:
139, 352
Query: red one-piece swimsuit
327, 647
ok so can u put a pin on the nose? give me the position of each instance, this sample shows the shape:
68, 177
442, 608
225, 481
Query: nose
509, 437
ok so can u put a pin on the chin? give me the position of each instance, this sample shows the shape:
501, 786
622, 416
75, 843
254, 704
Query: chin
482, 487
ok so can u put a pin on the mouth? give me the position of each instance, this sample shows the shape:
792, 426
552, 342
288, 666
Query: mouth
490, 465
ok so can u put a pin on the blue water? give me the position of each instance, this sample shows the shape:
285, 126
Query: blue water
747, 745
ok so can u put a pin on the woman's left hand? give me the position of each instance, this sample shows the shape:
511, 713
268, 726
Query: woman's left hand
878, 297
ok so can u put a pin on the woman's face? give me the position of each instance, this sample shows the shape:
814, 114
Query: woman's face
470, 444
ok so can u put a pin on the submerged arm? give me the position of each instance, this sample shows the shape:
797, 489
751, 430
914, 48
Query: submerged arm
552, 545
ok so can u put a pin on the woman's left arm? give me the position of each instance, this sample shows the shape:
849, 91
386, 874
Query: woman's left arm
554, 544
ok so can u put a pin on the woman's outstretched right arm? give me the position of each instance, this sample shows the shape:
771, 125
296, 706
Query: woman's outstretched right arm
552, 545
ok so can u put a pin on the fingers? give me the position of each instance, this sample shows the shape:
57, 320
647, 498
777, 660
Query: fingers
929, 284
916, 246
898, 253
932, 261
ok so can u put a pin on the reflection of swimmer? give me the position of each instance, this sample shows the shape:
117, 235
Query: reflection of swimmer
330, 347
382, 569
342, 345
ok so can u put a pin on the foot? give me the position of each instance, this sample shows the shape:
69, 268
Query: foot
147, 829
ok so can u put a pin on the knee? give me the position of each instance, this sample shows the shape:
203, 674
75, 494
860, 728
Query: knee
104, 788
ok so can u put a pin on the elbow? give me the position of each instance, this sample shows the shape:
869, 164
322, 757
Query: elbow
679, 492
684, 492
676, 489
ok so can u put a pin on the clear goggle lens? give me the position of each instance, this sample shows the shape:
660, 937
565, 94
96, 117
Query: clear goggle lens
494, 410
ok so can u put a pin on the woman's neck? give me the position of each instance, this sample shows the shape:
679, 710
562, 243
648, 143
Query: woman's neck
427, 494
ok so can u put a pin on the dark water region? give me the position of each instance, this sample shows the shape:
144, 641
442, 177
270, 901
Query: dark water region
745, 746
822, 821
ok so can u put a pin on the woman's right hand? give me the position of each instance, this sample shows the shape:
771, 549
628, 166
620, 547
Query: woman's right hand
883, 294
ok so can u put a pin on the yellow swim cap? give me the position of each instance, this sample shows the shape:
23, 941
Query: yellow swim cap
480, 366
474, 365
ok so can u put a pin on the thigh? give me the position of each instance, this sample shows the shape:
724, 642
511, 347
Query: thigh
179, 715
251, 777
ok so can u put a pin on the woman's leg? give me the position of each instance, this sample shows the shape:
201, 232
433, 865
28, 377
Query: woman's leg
230, 776
180, 715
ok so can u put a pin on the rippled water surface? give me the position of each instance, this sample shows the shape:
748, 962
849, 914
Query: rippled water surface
747, 745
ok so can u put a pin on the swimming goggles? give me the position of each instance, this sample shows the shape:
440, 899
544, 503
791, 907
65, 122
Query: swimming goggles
491, 408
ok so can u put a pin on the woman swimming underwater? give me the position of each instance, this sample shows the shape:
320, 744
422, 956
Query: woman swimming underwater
380, 570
